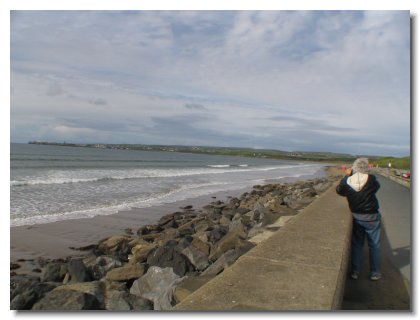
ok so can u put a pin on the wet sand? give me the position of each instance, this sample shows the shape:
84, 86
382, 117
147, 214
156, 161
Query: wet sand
53, 240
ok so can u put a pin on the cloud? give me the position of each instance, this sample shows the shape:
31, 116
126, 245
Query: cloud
194, 106
98, 101
54, 90
256, 74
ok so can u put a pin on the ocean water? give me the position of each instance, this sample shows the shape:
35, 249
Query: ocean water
52, 183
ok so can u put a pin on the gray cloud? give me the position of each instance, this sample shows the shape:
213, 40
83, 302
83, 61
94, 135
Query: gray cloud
54, 90
194, 106
98, 101
341, 73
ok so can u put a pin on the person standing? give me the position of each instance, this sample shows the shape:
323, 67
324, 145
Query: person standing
360, 187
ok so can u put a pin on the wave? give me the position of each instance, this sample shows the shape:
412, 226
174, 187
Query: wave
84, 176
170, 196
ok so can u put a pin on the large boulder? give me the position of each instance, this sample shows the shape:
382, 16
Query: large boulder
78, 271
157, 285
58, 300
54, 272
225, 260
26, 293
117, 246
196, 257
102, 265
141, 251
126, 272
228, 242
168, 257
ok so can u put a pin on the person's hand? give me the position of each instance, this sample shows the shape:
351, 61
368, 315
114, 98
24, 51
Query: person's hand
349, 172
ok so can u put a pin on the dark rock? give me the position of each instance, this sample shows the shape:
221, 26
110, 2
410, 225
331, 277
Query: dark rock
102, 265
139, 303
225, 260
201, 245
116, 301
37, 270
67, 300
27, 292
189, 207
243, 246
168, 257
227, 243
54, 272
129, 231
203, 225
78, 271
14, 266
196, 257
217, 233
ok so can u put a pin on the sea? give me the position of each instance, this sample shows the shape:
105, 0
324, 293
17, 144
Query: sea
52, 183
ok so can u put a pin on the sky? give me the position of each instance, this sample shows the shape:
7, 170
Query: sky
328, 81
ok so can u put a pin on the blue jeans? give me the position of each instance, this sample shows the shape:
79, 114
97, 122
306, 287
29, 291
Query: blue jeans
372, 231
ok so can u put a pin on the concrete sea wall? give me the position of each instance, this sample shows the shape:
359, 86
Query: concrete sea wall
300, 267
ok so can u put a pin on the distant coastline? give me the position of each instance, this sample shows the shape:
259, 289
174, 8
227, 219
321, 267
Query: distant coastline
228, 151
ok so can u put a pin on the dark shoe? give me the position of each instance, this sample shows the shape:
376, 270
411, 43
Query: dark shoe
354, 275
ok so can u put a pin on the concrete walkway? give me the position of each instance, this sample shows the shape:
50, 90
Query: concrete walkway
392, 292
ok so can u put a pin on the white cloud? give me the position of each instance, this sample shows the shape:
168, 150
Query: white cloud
347, 69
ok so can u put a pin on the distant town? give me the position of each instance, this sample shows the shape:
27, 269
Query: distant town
402, 163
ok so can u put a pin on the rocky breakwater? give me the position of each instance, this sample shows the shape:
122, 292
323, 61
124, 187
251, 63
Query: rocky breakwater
157, 266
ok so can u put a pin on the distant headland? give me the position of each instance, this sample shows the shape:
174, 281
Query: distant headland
402, 163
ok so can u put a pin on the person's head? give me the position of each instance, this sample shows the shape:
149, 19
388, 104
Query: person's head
361, 165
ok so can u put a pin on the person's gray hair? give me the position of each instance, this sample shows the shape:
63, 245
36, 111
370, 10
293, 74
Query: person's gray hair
361, 165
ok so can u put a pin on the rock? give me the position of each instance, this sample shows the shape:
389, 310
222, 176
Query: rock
54, 272
228, 242
14, 266
196, 257
149, 229
202, 235
239, 228
217, 233
115, 246
116, 301
168, 257
258, 228
141, 252
78, 271
157, 285
224, 221
94, 288
188, 285
138, 303
103, 265
67, 300
225, 260
321, 186
201, 245
28, 292
126, 272
203, 225
243, 246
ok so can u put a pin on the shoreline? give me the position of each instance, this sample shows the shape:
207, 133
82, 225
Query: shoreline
53, 240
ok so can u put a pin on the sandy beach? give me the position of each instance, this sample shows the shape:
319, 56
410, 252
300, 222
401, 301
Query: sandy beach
53, 240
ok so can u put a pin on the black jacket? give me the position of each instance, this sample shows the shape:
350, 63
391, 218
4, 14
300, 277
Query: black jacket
363, 201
